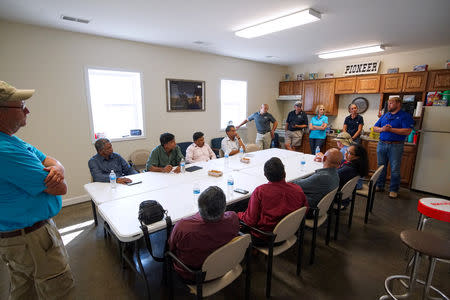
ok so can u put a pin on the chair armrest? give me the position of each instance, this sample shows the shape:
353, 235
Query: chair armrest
269, 234
172, 255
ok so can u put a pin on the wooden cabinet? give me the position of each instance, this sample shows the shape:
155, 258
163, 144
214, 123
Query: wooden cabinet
438, 80
345, 85
368, 84
305, 148
290, 88
391, 83
415, 81
407, 164
317, 92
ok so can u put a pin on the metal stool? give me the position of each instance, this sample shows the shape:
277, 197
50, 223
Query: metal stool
424, 243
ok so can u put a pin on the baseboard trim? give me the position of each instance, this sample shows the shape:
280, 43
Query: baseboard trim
75, 200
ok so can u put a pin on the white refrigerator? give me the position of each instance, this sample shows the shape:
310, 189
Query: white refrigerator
432, 169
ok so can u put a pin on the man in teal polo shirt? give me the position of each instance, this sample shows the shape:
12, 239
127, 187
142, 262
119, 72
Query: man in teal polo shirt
165, 156
30, 187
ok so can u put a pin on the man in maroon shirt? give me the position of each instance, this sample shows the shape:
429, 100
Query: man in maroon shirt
272, 201
193, 239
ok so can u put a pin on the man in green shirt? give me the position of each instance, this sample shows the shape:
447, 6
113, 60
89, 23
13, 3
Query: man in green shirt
165, 156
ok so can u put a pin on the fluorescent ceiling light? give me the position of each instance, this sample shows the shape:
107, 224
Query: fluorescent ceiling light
350, 52
289, 21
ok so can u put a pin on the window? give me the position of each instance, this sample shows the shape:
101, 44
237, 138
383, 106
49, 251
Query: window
115, 103
233, 99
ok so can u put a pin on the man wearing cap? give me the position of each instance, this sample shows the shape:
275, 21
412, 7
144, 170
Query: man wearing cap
343, 141
296, 123
394, 126
262, 119
31, 186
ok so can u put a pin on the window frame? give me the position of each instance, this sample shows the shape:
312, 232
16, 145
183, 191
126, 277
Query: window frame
88, 99
246, 103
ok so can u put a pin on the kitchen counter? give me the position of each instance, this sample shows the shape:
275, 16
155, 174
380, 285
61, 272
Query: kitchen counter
367, 138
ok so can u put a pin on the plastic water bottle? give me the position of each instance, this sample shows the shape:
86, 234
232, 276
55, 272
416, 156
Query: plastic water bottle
112, 179
183, 165
302, 163
317, 149
241, 152
227, 162
230, 185
196, 191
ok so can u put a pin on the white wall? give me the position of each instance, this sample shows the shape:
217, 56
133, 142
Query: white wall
53, 61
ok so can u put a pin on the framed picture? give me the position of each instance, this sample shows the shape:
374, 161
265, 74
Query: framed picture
329, 75
313, 75
185, 95
420, 68
392, 70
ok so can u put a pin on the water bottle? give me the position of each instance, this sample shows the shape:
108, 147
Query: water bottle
302, 163
226, 156
196, 191
241, 152
230, 185
183, 165
112, 179
317, 149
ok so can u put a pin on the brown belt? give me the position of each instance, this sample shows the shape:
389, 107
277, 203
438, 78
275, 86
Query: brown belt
18, 232
392, 142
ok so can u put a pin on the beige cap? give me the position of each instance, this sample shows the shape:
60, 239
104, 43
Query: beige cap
298, 103
9, 93
345, 138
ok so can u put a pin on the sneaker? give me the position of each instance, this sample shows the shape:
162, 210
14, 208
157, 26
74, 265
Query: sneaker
379, 189
393, 195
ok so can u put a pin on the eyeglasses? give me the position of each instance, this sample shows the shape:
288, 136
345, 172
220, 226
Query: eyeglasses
22, 107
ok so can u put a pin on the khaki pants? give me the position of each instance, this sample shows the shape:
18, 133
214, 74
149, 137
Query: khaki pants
38, 265
263, 140
293, 138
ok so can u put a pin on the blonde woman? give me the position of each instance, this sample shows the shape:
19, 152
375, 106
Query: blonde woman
317, 129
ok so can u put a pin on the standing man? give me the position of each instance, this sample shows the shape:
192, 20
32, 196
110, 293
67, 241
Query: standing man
165, 156
353, 124
393, 127
296, 123
31, 186
232, 142
262, 119
106, 160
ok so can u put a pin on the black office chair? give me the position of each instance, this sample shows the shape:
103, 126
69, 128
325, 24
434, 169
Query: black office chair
183, 146
216, 144
275, 141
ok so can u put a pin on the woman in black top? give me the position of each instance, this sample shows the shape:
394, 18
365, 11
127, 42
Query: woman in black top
356, 164
353, 123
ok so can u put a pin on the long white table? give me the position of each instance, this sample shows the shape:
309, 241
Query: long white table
119, 207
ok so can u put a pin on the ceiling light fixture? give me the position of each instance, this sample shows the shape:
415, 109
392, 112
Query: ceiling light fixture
350, 52
282, 23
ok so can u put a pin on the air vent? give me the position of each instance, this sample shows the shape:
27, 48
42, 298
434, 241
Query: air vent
73, 19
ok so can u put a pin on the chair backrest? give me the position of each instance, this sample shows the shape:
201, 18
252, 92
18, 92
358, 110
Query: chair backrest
226, 257
348, 188
275, 143
251, 148
377, 174
326, 201
139, 157
216, 144
183, 146
289, 224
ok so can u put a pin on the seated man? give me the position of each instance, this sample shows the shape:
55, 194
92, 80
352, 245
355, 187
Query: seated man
193, 239
106, 160
165, 156
323, 180
272, 201
199, 151
232, 142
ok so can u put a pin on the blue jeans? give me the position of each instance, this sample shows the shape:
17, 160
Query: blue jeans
392, 154
313, 143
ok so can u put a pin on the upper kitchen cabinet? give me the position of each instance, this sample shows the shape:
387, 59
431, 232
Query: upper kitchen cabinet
439, 80
290, 88
317, 92
345, 85
415, 81
391, 83
368, 84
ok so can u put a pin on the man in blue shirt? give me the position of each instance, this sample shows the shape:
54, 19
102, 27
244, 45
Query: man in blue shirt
106, 160
393, 127
262, 119
31, 186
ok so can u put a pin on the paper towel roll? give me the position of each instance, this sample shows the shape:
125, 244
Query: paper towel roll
418, 109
